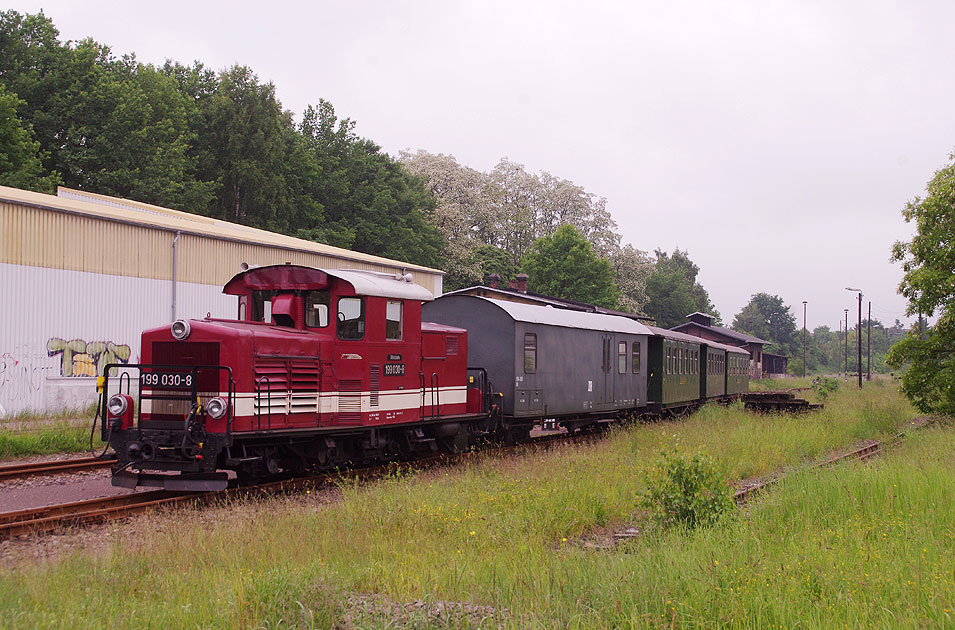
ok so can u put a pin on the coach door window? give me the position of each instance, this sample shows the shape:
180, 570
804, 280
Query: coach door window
635, 357
530, 353
351, 318
316, 309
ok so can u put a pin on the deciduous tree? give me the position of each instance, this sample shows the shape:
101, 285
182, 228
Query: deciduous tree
928, 262
564, 265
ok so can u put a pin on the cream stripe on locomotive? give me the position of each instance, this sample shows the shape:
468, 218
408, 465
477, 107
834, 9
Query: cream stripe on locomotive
247, 403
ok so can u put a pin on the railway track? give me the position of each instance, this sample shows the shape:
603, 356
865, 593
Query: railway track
63, 466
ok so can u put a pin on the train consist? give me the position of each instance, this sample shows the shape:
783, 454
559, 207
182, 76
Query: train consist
324, 368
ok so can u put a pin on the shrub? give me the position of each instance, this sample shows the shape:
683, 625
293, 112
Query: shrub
688, 492
825, 386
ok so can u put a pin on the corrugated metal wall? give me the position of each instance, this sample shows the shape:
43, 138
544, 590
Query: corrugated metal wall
81, 288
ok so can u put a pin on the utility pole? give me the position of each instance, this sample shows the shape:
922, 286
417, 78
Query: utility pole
845, 373
858, 339
804, 338
868, 348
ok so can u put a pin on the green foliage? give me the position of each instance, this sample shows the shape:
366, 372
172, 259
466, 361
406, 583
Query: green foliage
825, 386
20, 164
673, 292
687, 492
767, 317
928, 261
565, 266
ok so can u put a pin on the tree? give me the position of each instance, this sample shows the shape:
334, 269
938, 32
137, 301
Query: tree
632, 269
20, 164
673, 292
928, 283
565, 266
767, 317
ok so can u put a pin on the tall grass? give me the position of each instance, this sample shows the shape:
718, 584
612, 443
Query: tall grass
53, 438
508, 533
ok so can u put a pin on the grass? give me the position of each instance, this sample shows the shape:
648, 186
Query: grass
845, 546
52, 438
33, 433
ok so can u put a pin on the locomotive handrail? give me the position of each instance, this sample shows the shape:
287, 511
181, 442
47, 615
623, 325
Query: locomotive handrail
485, 388
258, 398
435, 394
193, 391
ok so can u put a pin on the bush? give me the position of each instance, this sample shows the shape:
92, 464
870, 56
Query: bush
825, 386
688, 492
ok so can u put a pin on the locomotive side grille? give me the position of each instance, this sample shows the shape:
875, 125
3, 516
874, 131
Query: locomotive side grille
451, 345
374, 378
349, 401
272, 385
304, 386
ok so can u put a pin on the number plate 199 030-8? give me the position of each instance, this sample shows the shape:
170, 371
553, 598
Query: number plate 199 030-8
167, 380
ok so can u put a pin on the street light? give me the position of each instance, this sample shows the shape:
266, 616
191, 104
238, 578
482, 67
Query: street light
858, 335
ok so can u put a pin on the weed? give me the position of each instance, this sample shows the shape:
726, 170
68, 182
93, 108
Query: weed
686, 491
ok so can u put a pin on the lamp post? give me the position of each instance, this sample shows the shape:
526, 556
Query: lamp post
858, 335
804, 338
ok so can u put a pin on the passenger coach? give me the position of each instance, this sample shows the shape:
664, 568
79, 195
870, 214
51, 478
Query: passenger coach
549, 362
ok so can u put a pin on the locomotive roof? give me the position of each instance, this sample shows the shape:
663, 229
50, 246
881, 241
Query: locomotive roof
564, 317
679, 336
301, 278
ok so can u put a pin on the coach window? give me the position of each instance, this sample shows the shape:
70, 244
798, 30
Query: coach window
351, 318
393, 320
530, 353
635, 357
622, 357
667, 370
316, 309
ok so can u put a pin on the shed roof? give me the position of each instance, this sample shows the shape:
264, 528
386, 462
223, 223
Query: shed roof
563, 317
728, 332
678, 336
108, 208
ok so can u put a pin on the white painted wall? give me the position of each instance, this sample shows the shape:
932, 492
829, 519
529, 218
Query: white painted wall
47, 309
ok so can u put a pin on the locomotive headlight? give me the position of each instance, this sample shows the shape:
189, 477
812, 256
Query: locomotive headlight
117, 405
180, 329
217, 407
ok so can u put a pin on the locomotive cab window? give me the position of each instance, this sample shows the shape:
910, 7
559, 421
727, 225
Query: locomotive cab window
635, 357
351, 318
530, 353
261, 306
622, 357
316, 309
393, 321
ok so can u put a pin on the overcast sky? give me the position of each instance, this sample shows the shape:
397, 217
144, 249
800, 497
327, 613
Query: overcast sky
777, 142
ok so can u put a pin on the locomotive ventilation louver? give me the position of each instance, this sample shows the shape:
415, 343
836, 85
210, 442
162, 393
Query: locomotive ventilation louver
180, 329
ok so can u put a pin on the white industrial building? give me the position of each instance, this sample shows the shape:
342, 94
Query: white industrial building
84, 274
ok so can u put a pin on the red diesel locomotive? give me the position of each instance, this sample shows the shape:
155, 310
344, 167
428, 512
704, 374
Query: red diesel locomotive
321, 368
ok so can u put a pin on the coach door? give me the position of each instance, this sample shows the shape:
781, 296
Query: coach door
605, 378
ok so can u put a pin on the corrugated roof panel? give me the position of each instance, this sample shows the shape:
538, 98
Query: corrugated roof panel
567, 318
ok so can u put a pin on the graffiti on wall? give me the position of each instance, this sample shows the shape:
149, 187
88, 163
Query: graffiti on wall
21, 374
86, 358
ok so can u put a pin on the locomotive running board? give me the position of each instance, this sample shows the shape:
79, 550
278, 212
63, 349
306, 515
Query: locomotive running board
185, 482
